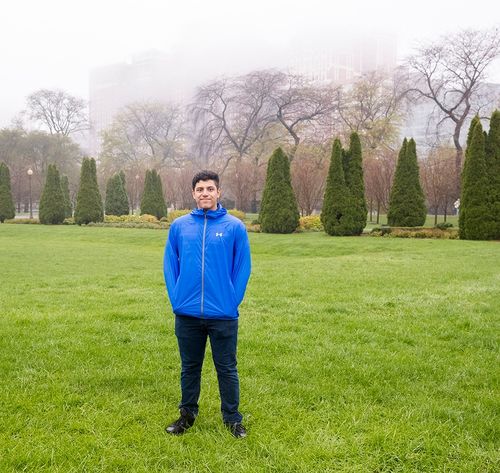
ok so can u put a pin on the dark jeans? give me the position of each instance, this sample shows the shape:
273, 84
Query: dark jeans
192, 334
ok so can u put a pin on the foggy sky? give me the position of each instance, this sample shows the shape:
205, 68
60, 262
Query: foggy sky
54, 43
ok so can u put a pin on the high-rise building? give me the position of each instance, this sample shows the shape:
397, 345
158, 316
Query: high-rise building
341, 59
149, 76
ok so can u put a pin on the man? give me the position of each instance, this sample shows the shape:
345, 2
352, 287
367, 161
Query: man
206, 268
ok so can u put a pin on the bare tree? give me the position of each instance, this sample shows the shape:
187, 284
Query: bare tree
177, 186
438, 181
374, 107
309, 170
449, 73
161, 128
58, 111
241, 179
231, 115
299, 105
144, 135
378, 174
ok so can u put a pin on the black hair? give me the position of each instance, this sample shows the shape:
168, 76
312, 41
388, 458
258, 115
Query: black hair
205, 176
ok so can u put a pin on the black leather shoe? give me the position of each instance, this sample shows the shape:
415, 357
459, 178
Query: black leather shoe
236, 429
183, 423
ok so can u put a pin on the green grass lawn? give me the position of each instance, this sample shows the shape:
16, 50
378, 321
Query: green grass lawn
355, 355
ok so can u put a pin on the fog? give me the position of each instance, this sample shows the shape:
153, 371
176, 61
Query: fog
54, 44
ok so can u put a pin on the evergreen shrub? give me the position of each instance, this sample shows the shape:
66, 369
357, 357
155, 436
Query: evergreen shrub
116, 196
89, 206
7, 209
337, 214
68, 208
407, 203
152, 201
477, 221
279, 212
52, 208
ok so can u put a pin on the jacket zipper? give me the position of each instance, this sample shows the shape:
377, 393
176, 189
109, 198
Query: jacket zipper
203, 264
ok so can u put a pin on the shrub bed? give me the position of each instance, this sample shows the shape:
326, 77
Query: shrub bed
176, 214
253, 228
415, 232
311, 223
33, 221
145, 218
238, 214
132, 221
154, 226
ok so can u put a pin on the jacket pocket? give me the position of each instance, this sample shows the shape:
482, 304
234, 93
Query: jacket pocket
186, 295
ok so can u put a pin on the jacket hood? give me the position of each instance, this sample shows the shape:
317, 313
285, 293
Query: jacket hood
219, 212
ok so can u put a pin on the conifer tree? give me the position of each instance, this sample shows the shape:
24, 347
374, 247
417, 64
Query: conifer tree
407, 203
476, 222
462, 212
493, 169
116, 196
51, 210
279, 212
68, 208
110, 199
7, 208
346, 157
338, 210
153, 202
355, 183
162, 206
146, 198
88, 202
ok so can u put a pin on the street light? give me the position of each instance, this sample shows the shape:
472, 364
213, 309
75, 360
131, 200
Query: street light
30, 173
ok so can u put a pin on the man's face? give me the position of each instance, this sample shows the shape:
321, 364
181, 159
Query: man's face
206, 195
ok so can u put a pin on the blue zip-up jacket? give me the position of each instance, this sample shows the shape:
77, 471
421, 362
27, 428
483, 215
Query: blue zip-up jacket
207, 264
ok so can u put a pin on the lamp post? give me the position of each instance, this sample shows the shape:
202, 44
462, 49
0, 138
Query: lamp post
30, 173
137, 190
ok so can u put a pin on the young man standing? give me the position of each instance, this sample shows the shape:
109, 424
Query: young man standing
206, 267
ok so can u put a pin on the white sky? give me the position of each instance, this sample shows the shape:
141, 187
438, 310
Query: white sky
53, 43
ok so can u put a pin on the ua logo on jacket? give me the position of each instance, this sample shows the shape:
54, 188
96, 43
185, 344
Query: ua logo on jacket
207, 264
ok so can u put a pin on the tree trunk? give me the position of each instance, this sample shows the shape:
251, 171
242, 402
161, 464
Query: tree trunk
378, 212
458, 158
254, 202
291, 155
254, 193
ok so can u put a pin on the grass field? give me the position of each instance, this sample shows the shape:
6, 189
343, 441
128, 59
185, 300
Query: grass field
355, 355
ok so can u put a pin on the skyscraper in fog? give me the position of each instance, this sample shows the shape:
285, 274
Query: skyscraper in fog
342, 59
149, 76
